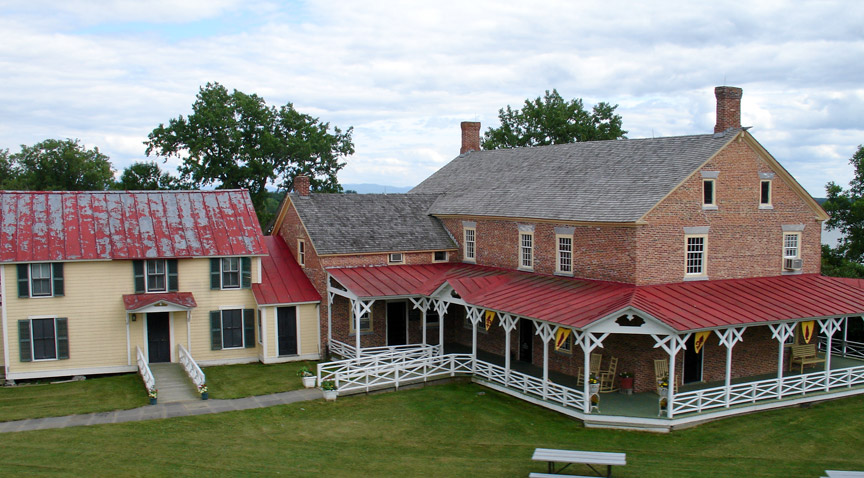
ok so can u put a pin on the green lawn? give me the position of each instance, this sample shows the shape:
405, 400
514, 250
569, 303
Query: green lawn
92, 395
448, 431
246, 380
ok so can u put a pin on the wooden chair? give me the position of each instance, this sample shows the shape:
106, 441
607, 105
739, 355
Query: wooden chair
596, 359
607, 377
661, 371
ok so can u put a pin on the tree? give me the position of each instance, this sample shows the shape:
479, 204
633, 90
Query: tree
8, 175
234, 140
847, 214
551, 120
61, 165
146, 176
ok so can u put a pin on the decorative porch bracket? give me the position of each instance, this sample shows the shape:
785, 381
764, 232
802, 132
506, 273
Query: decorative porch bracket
728, 338
508, 322
829, 327
587, 342
474, 315
781, 332
360, 308
672, 344
422, 304
546, 333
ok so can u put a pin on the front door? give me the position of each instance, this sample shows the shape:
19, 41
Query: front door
158, 337
286, 318
693, 361
397, 323
526, 340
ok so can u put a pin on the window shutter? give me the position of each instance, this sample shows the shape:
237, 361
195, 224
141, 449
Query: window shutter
249, 327
138, 269
57, 272
172, 275
23, 280
215, 273
246, 268
215, 330
24, 340
62, 338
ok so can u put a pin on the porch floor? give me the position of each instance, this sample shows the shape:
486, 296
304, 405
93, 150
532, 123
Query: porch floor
643, 405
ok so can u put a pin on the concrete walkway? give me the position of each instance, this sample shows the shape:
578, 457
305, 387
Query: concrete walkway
166, 410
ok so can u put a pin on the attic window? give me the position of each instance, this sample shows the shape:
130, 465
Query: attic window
765, 194
708, 200
396, 258
439, 256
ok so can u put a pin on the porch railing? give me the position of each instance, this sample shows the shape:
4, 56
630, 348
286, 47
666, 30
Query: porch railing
144, 370
771, 389
375, 360
349, 377
843, 348
529, 384
349, 352
192, 368
342, 349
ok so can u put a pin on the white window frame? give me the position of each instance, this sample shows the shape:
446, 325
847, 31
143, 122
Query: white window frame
469, 245
33, 340
395, 258
446, 256
713, 203
526, 250
301, 252
796, 247
366, 316
223, 272
50, 279
147, 275
769, 204
222, 311
703, 253
558, 254
568, 350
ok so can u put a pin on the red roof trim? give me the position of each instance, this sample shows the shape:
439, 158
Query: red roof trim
139, 301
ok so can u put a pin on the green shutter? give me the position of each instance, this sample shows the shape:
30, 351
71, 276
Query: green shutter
23, 280
215, 273
172, 275
246, 271
249, 327
24, 340
138, 269
215, 330
57, 272
62, 338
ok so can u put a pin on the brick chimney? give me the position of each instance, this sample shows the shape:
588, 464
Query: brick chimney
728, 108
470, 136
301, 185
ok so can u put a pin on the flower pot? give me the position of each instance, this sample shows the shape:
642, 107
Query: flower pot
309, 382
627, 382
330, 395
205, 396
663, 391
594, 388
152, 401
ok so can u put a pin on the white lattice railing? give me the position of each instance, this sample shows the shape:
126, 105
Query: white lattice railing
529, 384
342, 349
144, 370
842, 348
350, 377
347, 351
771, 389
192, 368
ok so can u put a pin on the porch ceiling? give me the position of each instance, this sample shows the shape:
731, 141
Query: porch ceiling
580, 302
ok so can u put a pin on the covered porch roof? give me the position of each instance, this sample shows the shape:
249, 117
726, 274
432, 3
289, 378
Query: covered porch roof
163, 302
578, 303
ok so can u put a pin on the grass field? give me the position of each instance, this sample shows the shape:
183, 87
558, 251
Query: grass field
448, 431
246, 380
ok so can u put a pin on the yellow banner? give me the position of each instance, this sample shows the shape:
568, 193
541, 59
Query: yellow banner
490, 317
699, 340
807, 330
561, 337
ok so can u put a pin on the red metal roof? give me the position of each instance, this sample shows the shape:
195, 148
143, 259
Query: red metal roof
282, 279
579, 302
68, 226
139, 301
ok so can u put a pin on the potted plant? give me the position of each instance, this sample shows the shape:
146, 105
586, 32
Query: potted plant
329, 388
202, 389
152, 394
593, 384
626, 382
308, 377
662, 386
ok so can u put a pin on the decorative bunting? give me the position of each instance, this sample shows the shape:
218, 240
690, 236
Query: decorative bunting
699, 340
490, 317
561, 337
807, 330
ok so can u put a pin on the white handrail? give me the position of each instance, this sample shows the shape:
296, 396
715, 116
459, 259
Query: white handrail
192, 368
144, 370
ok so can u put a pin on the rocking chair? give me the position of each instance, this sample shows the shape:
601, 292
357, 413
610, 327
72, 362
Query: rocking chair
661, 372
607, 377
595, 369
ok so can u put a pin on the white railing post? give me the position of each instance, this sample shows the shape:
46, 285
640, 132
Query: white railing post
829, 328
508, 323
144, 370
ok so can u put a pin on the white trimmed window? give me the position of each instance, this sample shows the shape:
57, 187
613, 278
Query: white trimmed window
567, 346
695, 255
470, 243
565, 254
439, 256
708, 193
526, 250
231, 273
396, 258
40, 280
232, 329
765, 193
791, 245
301, 252
43, 338
365, 322
157, 276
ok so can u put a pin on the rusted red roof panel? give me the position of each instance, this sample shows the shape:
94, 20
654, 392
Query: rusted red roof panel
139, 301
282, 279
37, 226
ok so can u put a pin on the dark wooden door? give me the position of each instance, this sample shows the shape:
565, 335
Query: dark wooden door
693, 362
526, 341
286, 318
397, 323
158, 337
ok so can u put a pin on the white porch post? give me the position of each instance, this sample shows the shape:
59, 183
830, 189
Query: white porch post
672, 344
587, 342
829, 327
509, 323
441, 308
474, 317
360, 308
781, 332
729, 338
330, 296
421, 304
546, 333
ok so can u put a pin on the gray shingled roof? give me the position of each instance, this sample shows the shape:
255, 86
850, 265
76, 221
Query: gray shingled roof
604, 181
357, 223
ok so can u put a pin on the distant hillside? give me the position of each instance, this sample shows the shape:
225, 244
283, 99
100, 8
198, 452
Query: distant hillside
375, 188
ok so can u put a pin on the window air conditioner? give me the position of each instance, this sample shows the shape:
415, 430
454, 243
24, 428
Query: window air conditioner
791, 264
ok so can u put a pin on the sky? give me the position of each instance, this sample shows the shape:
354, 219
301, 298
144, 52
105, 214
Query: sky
405, 74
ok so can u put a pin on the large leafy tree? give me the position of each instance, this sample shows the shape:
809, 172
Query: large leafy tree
235, 140
846, 208
7, 172
60, 165
552, 120
146, 176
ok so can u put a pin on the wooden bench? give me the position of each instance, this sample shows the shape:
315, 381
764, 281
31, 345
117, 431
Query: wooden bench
570, 457
805, 355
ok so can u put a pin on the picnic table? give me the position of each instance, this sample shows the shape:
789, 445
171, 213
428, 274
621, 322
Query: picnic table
844, 474
569, 457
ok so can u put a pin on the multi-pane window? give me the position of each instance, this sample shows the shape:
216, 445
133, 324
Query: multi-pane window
232, 328
565, 254
40, 280
231, 273
44, 339
156, 276
301, 252
790, 246
396, 258
526, 248
707, 192
365, 322
765, 193
470, 244
695, 261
